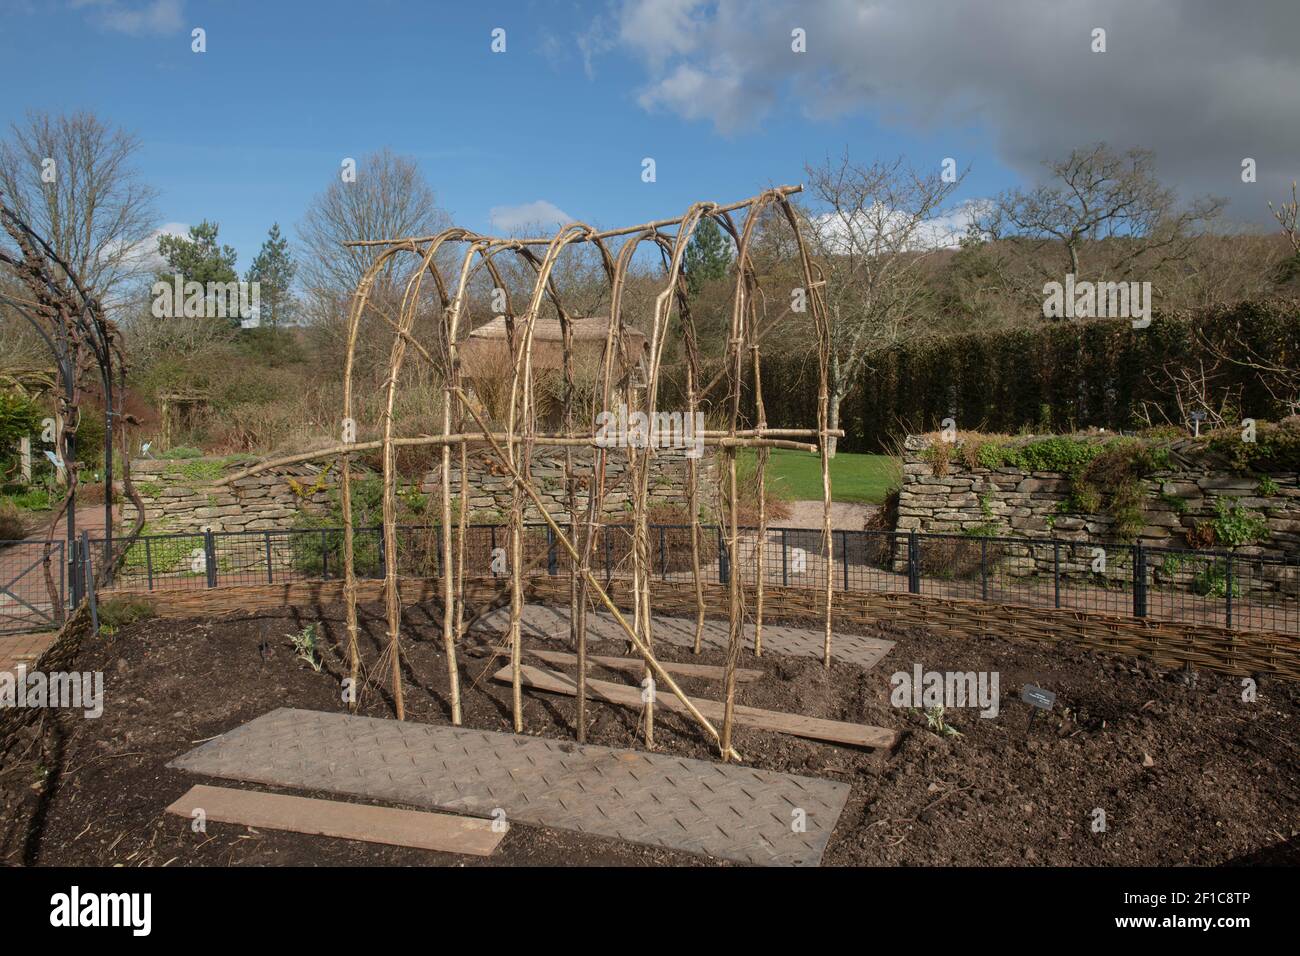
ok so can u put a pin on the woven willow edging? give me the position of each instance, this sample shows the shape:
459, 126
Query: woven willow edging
1166, 643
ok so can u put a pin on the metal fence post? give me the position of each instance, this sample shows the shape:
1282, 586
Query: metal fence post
210, 557
844, 555
269, 577
1228, 593
1056, 571
724, 562
984, 569
785, 558
148, 563
1139, 580
74, 574
87, 567
550, 551
89, 572
913, 562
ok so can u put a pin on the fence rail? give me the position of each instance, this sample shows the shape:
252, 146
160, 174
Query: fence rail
1232, 589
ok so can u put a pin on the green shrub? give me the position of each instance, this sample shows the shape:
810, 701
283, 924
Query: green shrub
29, 499
12, 527
180, 453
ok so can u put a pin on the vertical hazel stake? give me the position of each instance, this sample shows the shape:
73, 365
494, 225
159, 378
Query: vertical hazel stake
693, 474
450, 392
760, 476
613, 349
345, 486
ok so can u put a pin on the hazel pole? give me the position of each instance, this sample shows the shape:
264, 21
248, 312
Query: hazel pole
602, 596
818, 304
359, 301
451, 381
523, 413
735, 345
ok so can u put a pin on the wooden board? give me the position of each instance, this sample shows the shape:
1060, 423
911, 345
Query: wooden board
349, 821
634, 665
814, 728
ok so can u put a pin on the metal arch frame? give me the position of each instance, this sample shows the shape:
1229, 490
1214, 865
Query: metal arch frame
74, 328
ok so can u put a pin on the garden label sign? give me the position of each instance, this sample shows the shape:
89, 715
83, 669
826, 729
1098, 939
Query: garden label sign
1037, 699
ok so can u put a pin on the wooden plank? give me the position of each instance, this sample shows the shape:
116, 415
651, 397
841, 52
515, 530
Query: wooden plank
634, 665
349, 821
814, 728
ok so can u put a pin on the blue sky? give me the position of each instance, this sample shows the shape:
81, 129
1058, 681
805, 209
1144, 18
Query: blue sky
247, 132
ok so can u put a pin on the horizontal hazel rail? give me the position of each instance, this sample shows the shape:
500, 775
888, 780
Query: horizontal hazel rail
748, 438
607, 234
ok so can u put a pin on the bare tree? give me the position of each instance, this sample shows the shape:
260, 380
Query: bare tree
874, 229
1287, 215
1097, 194
72, 178
388, 197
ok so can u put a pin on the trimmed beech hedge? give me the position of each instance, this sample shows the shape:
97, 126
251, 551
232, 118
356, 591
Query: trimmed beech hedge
1060, 376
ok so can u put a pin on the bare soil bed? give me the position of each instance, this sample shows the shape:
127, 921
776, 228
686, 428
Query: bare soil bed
1185, 770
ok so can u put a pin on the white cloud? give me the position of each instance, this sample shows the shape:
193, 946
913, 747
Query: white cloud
537, 213
156, 17
942, 231
144, 254
1193, 80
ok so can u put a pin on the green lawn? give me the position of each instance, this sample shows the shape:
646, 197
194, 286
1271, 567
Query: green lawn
797, 475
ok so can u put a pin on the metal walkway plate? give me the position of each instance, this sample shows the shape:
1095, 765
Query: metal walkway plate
545, 620
720, 810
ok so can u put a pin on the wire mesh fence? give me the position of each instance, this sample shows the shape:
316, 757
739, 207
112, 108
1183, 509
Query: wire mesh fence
33, 585
1233, 589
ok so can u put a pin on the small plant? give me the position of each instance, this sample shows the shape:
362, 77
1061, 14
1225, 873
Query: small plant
1212, 581
936, 723
118, 612
1201, 535
304, 645
1267, 488
1176, 504
1236, 525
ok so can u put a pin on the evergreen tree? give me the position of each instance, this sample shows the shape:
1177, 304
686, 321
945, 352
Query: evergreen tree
708, 255
198, 258
274, 268
201, 259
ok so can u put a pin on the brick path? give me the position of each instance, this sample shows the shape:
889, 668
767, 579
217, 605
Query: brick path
720, 810
22, 649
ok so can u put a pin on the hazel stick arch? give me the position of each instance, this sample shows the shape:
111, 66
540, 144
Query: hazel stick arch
514, 435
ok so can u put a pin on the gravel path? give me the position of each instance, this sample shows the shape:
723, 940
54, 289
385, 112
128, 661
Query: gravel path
845, 515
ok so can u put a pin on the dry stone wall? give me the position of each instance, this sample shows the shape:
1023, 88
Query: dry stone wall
178, 496
1009, 501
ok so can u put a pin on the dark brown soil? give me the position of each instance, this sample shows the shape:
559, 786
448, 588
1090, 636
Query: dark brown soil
1185, 770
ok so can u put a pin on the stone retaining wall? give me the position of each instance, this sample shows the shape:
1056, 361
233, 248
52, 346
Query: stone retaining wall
490, 487
178, 495
1009, 501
